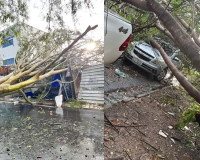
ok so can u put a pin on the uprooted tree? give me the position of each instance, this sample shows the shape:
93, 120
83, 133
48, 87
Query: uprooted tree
177, 21
33, 65
43, 54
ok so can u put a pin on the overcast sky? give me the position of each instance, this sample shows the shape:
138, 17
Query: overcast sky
85, 17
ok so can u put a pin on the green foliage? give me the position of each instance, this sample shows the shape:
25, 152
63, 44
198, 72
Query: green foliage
193, 76
169, 100
42, 95
27, 119
175, 2
77, 104
188, 115
29, 127
42, 111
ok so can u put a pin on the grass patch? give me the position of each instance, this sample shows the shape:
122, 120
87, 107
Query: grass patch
76, 104
169, 100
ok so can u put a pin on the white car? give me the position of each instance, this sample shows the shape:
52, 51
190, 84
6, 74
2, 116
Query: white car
117, 34
150, 59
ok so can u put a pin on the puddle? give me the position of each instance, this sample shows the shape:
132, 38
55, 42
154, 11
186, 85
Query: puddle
33, 133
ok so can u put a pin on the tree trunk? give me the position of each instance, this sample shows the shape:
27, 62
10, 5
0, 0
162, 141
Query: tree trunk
189, 29
182, 39
179, 76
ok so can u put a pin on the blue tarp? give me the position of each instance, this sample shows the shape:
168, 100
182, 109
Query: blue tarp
68, 90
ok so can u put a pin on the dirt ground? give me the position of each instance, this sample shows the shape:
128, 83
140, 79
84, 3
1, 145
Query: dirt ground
132, 129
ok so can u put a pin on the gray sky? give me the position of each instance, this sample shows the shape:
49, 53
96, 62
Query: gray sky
85, 17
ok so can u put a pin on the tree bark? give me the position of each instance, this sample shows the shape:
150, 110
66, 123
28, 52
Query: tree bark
164, 30
179, 76
182, 39
197, 7
189, 29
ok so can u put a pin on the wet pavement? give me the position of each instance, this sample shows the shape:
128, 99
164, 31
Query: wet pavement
137, 81
34, 133
135, 76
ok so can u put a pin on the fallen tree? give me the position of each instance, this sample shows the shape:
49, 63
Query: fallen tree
180, 37
179, 25
179, 76
30, 67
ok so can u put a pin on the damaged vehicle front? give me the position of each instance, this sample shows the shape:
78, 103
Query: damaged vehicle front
150, 59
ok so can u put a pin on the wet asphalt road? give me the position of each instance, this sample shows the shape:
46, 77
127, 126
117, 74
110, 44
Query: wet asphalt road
34, 133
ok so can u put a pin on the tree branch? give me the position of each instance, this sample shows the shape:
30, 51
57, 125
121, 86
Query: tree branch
25, 97
69, 47
142, 4
179, 76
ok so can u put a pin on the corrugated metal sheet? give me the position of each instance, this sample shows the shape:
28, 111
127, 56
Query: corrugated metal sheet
92, 85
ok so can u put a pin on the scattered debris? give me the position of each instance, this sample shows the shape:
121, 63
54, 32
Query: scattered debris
16, 102
162, 134
59, 100
120, 73
186, 128
173, 140
171, 113
170, 127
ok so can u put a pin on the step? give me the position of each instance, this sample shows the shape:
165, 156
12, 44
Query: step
92, 82
92, 101
93, 70
89, 76
92, 79
94, 67
93, 73
92, 91
91, 95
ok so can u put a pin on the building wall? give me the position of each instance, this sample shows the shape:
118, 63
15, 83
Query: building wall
10, 51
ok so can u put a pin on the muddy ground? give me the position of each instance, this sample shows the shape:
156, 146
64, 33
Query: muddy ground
132, 129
